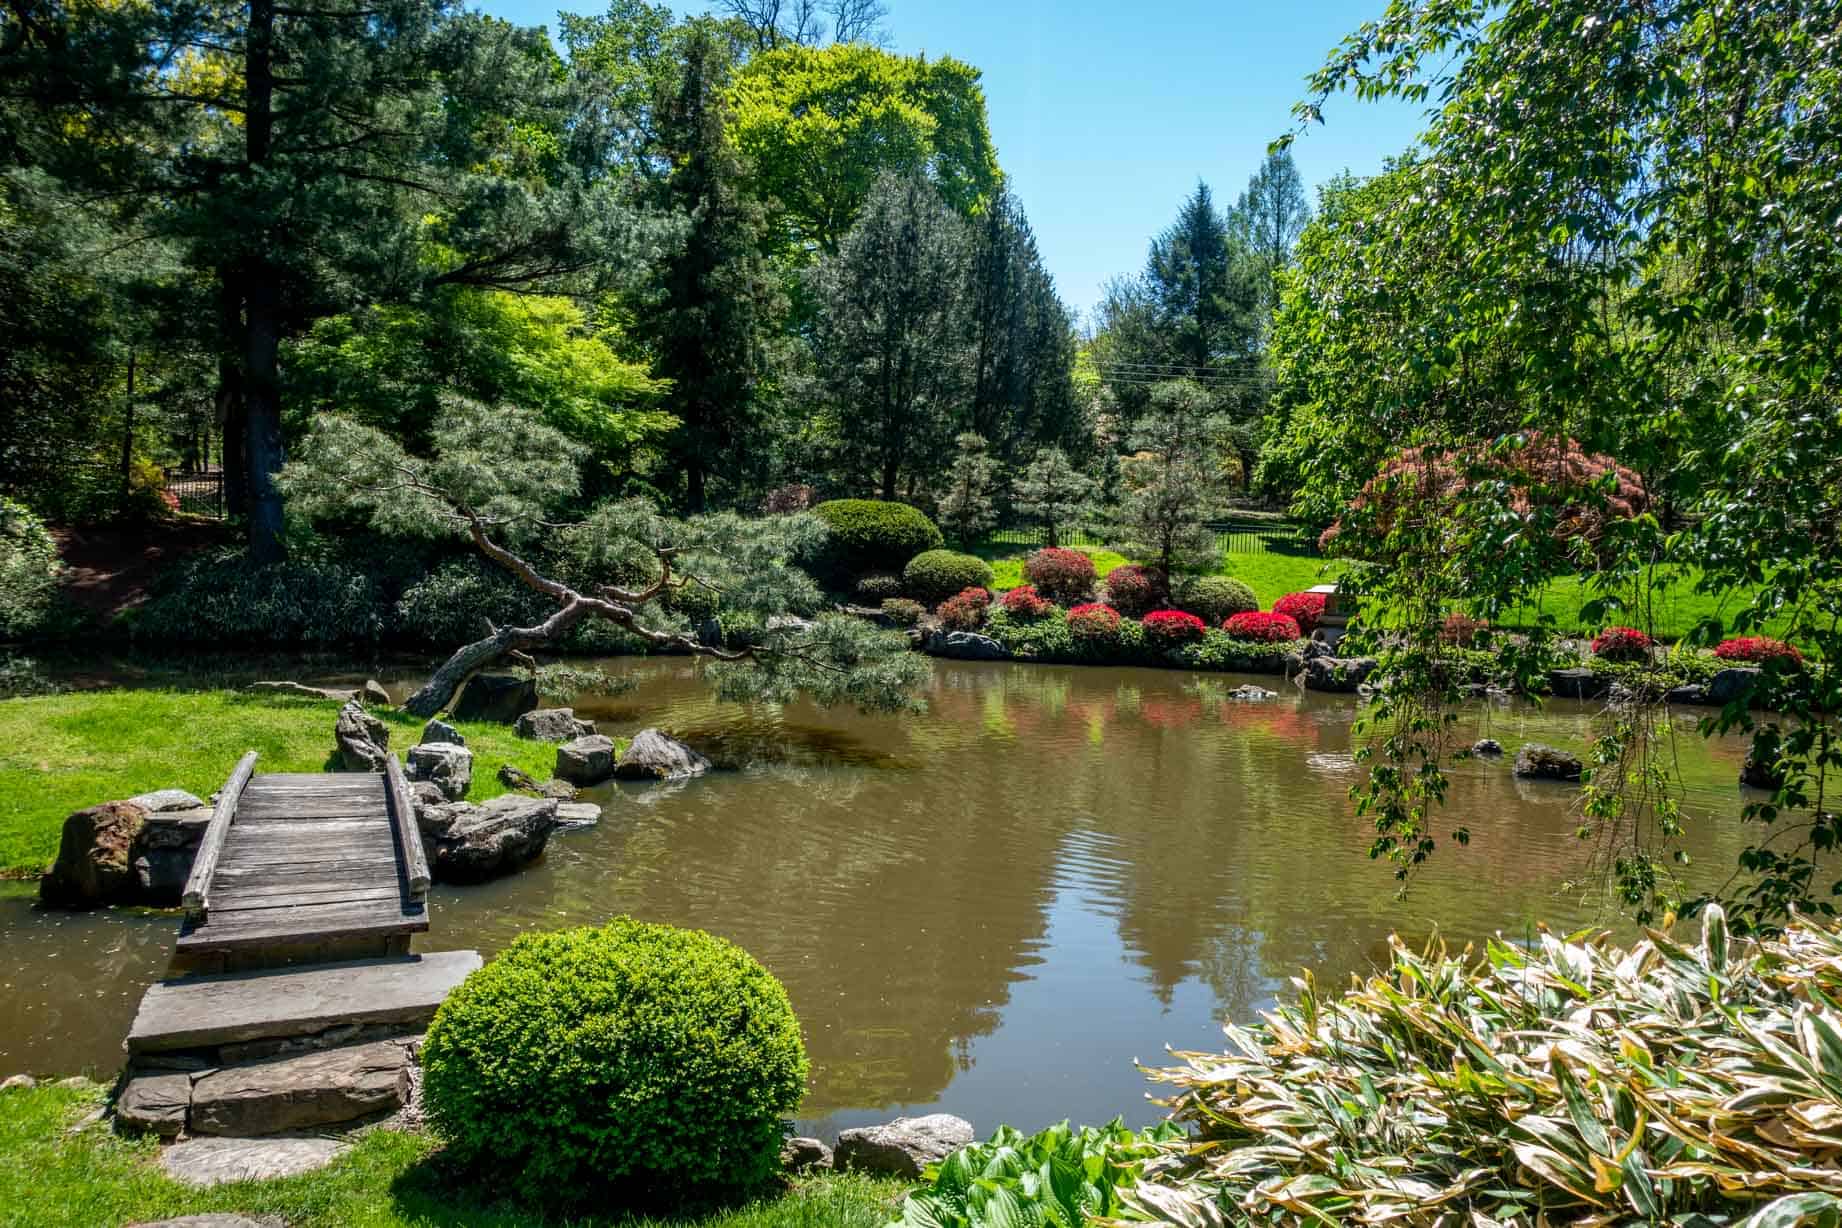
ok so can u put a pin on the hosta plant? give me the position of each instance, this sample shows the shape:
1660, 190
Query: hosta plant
1567, 1082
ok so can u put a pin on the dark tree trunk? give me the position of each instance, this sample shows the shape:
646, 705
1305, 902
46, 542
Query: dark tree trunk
262, 305
128, 433
233, 458
694, 484
471, 658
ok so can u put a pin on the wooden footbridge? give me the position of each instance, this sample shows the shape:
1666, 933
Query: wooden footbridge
298, 867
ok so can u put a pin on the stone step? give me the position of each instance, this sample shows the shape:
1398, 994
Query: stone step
297, 1093
210, 1011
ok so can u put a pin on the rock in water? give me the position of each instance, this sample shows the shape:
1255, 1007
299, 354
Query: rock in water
586, 761
501, 698
438, 730
364, 741
1487, 748
577, 814
552, 725
654, 756
446, 766
1337, 675
1576, 683
373, 692
1251, 694
903, 1147
476, 843
95, 857
1538, 762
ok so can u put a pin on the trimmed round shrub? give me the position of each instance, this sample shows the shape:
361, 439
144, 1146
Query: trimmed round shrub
1305, 609
1093, 621
630, 1055
1171, 627
1136, 591
868, 535
879, 588
1757, 650
965, 611
938, 574
1621, 644
1063, 576
1025, 602
1214, 598
29, 570
1263, 627
903, 612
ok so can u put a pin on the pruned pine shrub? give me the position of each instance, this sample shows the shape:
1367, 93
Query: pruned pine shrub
1570, 1082
878, 587
224, 599
903, 611
938, 574
646, 1059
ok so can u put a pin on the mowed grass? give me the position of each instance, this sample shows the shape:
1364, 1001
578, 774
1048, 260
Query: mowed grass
60, 753
54, 1177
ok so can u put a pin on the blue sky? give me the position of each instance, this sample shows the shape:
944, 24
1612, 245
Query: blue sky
1105, 114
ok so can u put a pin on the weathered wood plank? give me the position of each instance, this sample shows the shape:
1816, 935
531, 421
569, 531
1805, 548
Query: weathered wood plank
409, 835
323, 826
202, 1012
310, 867
378, 842
286, 895
275, 780
245, 928
197, 895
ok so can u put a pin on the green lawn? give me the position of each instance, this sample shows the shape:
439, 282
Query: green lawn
60, 753
51, 1177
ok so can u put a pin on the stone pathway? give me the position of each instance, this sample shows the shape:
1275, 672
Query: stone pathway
204, 1161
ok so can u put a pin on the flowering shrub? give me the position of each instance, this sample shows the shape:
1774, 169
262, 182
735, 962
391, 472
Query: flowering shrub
1136, 591
1172, 627
966, 611
1305, 609
1093, 621
1757, 649
1621, 644
1025, 602
1064, 576
1461, 629
1262, 627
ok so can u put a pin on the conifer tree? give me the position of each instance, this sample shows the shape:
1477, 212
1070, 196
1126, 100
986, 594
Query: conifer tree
968, 503
1052, 492
1173, 483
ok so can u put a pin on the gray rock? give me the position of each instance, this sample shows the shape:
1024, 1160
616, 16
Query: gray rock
903, 1147
154, 1103
1337, 675
217, 1219
171, 829
446, 766
435, 819
552, 725
95, 862
363, 740
427, 793
1487, 748
577, 814
1735, 683
966, 646
788, 622
1687, 693
160, 874
1576, 683
654, 756
1251, 694
24, 1082
488, 841
373, 692
162, 800
293, 1093
586, 760
75, 1083
1538, 762
501, 698
202, 1162
438, 730
798, 1155
1316, 648
341, 694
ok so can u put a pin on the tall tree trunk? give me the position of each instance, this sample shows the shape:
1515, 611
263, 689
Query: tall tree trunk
233, 458
262, 304
128, 432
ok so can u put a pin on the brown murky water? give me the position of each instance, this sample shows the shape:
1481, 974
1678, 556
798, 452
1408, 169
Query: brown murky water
992, 908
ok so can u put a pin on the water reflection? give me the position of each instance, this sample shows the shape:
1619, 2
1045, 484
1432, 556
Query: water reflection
991, 908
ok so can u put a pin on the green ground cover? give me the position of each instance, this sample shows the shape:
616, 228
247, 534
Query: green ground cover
53, 1177
60, 753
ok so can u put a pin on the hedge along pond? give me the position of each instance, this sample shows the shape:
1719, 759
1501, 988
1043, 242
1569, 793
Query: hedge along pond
991, 908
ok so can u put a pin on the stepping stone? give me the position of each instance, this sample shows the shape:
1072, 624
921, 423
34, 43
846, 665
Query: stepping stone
211, 1161
155, 1102
205, 1012
295, 1093
218, 1219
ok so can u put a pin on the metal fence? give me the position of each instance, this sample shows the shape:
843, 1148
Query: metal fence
200, 493
1231, 537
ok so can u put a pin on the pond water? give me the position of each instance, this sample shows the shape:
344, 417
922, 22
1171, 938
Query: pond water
989, 909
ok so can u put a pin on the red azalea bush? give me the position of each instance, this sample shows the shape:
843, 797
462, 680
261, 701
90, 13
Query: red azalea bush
965, 612
1263, 627
1305, 609
1063, 576
1025, 602
1093, 621
1621, 644
1757, 649
1461, 629
1173, 627
1136, 591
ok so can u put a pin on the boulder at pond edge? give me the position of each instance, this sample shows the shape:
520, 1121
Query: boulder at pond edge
1538, 762
903, 1147
501, 698
654, 756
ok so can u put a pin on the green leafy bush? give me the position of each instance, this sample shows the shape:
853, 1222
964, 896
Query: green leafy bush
867, 535
1056, 1178
222, 598
635, 1056
936, 575
452, 604
1214, 598
29, 571
902, 611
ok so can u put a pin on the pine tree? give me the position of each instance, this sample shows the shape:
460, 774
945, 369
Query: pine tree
968, 503
1173, 483
1271, 214
1022, 339
1052, 492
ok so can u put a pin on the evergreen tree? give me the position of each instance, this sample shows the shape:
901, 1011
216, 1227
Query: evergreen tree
1022, 340
1173, 482
1052, 492
1272, 213
889, 340
968, 506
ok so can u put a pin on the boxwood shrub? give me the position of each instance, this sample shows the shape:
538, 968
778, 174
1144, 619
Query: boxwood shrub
936, 575
1215, 598
867, 535
654, 1061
